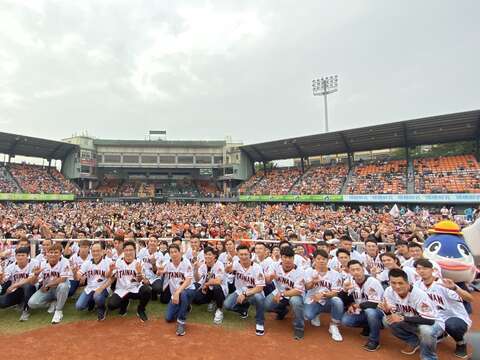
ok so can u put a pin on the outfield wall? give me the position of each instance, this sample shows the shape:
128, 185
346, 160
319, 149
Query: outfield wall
36, 197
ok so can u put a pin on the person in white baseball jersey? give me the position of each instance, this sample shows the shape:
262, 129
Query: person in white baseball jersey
390, 261
415, 251
16, 281
448, 298
230, 255
130, 283
178, 276
411, 316
260, 257
95, 273
52, 275
211, 282
76, 261
323, 286
289, 283
249, 284
365, 293
150, 256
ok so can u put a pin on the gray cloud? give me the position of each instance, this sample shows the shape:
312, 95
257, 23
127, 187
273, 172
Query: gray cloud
207, 69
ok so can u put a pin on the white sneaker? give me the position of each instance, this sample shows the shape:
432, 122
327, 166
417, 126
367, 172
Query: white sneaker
25, 315
57, 317
218, 318
316, 321
335, 332
211, 307
51, 308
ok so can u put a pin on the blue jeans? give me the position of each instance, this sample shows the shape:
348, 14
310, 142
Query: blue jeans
456, 328
296, 302
179, 311
74, 284
334, 306
371, 318
257, 300
85, 299
423, 335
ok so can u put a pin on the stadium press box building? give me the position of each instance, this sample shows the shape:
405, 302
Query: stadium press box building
156, 160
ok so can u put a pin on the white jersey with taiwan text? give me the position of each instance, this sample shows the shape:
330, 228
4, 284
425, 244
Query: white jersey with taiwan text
176, 275
15, 273
285, 281
329, 281
96, 274
217, 271
126, 275
416, 303
247, 278
449, 303
371, 290
60, 269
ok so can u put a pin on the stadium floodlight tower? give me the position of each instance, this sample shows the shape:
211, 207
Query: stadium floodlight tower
325, 86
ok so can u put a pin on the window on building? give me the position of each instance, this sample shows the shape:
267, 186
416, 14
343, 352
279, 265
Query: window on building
112, 158
183, 159
167, 159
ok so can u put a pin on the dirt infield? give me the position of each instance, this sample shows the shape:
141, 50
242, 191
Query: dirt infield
128, 338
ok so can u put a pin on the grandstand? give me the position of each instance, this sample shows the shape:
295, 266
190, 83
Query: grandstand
221, 169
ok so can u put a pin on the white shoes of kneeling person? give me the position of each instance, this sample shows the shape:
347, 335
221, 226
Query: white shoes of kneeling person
218, 318
25, 315
57, 317
51, 308
335, 332
316, 321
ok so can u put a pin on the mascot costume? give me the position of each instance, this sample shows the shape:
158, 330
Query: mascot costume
454, 250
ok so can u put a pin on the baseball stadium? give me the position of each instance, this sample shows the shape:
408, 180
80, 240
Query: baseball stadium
171, 187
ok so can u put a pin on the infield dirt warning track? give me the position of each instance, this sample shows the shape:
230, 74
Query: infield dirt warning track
129, 339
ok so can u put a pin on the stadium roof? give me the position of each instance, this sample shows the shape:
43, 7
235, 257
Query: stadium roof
462, 126
13, 144
159, 143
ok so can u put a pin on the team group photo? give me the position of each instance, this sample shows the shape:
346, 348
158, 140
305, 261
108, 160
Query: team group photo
239, 179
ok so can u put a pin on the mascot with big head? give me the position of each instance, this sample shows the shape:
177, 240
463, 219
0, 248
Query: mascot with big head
454, 250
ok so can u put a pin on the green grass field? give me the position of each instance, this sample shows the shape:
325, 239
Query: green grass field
10, 325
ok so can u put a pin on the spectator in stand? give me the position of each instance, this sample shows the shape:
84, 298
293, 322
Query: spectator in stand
36, 179
321, 180
276, 182
379, 177
449, 174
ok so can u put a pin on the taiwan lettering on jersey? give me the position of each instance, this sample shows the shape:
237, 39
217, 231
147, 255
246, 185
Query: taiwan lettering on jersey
369, 262
449, 304
416, 303
217, 271
96, 274
126, 275
247, 278
329, 281
15, 273
371, 290
285, 281
176, 275
49, 272
146, 258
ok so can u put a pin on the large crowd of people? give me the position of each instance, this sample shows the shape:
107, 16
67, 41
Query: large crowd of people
362, 266
276, 182
379, 177
321, 180
6, 184
450, 174
36, 179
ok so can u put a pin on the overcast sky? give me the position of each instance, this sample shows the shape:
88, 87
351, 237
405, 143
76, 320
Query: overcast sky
208, 69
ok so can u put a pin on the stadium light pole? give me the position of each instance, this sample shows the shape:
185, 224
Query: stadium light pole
325, 86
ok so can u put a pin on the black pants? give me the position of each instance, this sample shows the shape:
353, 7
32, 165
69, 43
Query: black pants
18, 297
216, 294
165, 296
144, 295
456, 328
157, 288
